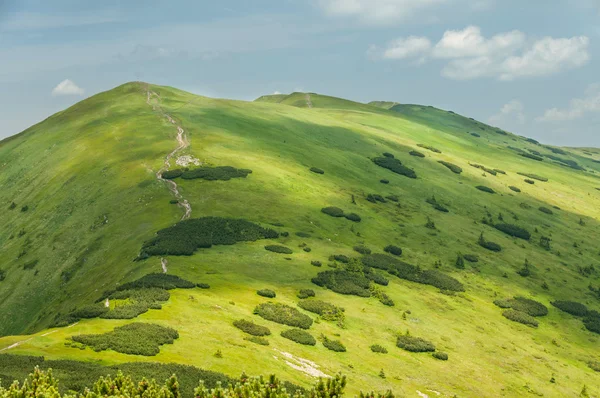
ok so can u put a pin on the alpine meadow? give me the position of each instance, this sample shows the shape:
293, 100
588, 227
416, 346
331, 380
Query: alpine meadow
403, 249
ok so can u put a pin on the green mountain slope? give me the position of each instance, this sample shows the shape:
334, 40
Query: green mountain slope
89, 178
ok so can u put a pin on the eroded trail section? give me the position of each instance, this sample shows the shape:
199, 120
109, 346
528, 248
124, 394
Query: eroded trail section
182, 143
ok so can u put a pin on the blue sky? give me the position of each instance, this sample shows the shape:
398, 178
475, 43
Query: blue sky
530, 67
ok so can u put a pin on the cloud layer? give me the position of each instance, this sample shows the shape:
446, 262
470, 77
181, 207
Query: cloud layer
512, 111
577, 108
377, 11
505, 56
67, 87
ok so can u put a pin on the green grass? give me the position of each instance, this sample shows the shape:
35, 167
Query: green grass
98, 159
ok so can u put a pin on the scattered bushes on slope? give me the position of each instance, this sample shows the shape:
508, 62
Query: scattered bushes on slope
488, 244
299, 336
521, 317
223, 173
374, 198
266, 293
379, 349
442, 356
395, 250
134, 339
362, 249
305, 293
417, 154
515, 189
513, 230
333, 211
414, 344
532, 156
472, 258
534, 176
487, 170
395, 166
251, 328
279, 249
437, 205
344, 282
571, 307
483, 188
317, 170
333, 345
186, 236
454, 168
283, 314
430, 148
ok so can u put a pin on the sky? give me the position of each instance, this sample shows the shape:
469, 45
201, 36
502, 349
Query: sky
529, 67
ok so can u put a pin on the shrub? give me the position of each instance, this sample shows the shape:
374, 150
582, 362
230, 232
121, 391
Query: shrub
257, 340
12, 206
500, 171
24, 208
528, 306
317, 170
503, 303
223, 173
475, 135
594, 365
513, 230
531, 156
303, 234
417, 154
432, 149
454, 168
186, 236
379, 349
546, 210
283, 314
316, 263
2, 275
592, 322
341, 258
362, 249
376, 277
521, 317
395, 250
307, 249
482, 167
305, 293
483, 188
322, 308
266, 293
571, 307
528, 181
395, 166
138, 302
489, 245
299, 336
279, 249
30, 264
172, 174
333, 211
134, 338
333, 345
251, 328
414, 344
442, 356
374, 198
472, 258
353, 217
393, 198
515, 189
343, 282
158, 280
203, 285
384, 181
534, 176
460, 262
388, 155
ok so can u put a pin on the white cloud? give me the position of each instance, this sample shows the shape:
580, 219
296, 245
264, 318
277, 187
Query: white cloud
578, 107
276, 92
512, 111
33, 21
377, 11
505, 56
67, 87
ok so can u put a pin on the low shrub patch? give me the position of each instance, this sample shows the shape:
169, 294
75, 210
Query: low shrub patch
2, 275
203, 285
482, 167
532, 156
515, 189
374, 198
437, 205
488, 244
251, 328
376, 277
138, 301
326, 310
379, 349
384, 181
31, 264
134, 339
185, 237
430, 148
454, 168
333, 345
513, 230
158, 280
393, 198
395, 166
303, 234
521, 317
442, 356
316, 263
307, 249
266, 293
534, 176
530, 182
592, 322
343, 282
317, 170
333, 211
395, 250
571, 307
283, 314
483, 188
594, 365
305, 293
172, 174
223, 173
257, 340
414, 344
472, 258
299, 336
417, 154
546, 210
500, 171
503, 303
362, 249
279, 249
388, 155
528, 306
353, 217
341, 258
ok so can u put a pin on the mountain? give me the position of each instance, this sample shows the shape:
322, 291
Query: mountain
416, 229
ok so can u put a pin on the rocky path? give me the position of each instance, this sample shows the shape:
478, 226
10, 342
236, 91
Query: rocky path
308, 101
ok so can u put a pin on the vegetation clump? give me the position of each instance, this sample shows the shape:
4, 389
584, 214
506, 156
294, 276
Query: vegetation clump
317, 170
251, 328
521, 317
483, 188
134, 339
454, 168
524, 305
158, 280
482, 167
283, 314
223, 173
513, 230
299, 336
305, 293
472, 258
392, 249
316, 263
546, 210
374, 198
534, 176
344, 282
333, 345
488, 244
266, 293
532, 156
592, 322
279, 249
362, 249
432, 149
571, 307
135, 302
2, 275
442, 356
437, 205
414, 344
384, 181
333, 211
379, 349
515, 189
395, 166
353, 217
185, 237
417, 154
257, 340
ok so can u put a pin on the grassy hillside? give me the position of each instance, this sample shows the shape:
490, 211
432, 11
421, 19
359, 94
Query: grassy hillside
88, 178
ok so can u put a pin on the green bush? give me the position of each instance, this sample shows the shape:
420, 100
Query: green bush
134, 338
414, 344
534, 176
203, 285
353, 217
592, 322
251, 328
266, 293
303, 234
483, 188
488, 244
31, 264
138, 302
316, 263
417, 154
279, 249
476, 135
362, 249
328, 311
528, 306
172, 174
594, 365
393, 198
531, 156
460, 262
546, 210
186, 236
395, 250
317, 170
384, 181
223, 173
333, 345
432, 149
376, 277
454, 168
90, 311
344, 282
503, 303
374, 198
307, 249
341, 258
571, 307
521, 317
283, 314
436, 205
388, 155
333, 211
513, 230
257, 340
530, 182
24, 208
442, 356
379, 349
482, 167
2, 275
472, 258
500, 171
395, 166
305, 293
515, 189
12, 206
299, 336
158, 280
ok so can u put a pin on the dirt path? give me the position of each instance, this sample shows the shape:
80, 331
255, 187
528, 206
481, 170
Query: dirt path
163, 263
182, 143
303, 365
308, 101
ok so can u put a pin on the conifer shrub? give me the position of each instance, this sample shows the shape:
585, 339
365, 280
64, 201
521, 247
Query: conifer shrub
499, 171
515, 189
528, 306
488, 244
316, 263
460, 262
472, 258
442, 356
454, 168
414, 344
388, 155
12, 206
299, 336
257, 340
139, 301
333, 211
571, 307
343, 282
594, 365
513, 230
395, 166
203, 285
31, 264
185, 237
503, 303
417, 154
392, 249
437, 205
476, 135
528, 181
384, 181
134, 339
487, 170
303, 234
521, 317
279, 249
317, 170
266, 293
362, 249
353, 217
223, 173
307, 249
546, 210
2, 275
531, 156
305, 293
483, 188
379, 349
534, 176
283, 314
24, 208
376, 277
158, 280
393, 198
374, 198
592, 322
341, 258
172, 174
251, 328
432, 149
326, 310
333, 345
